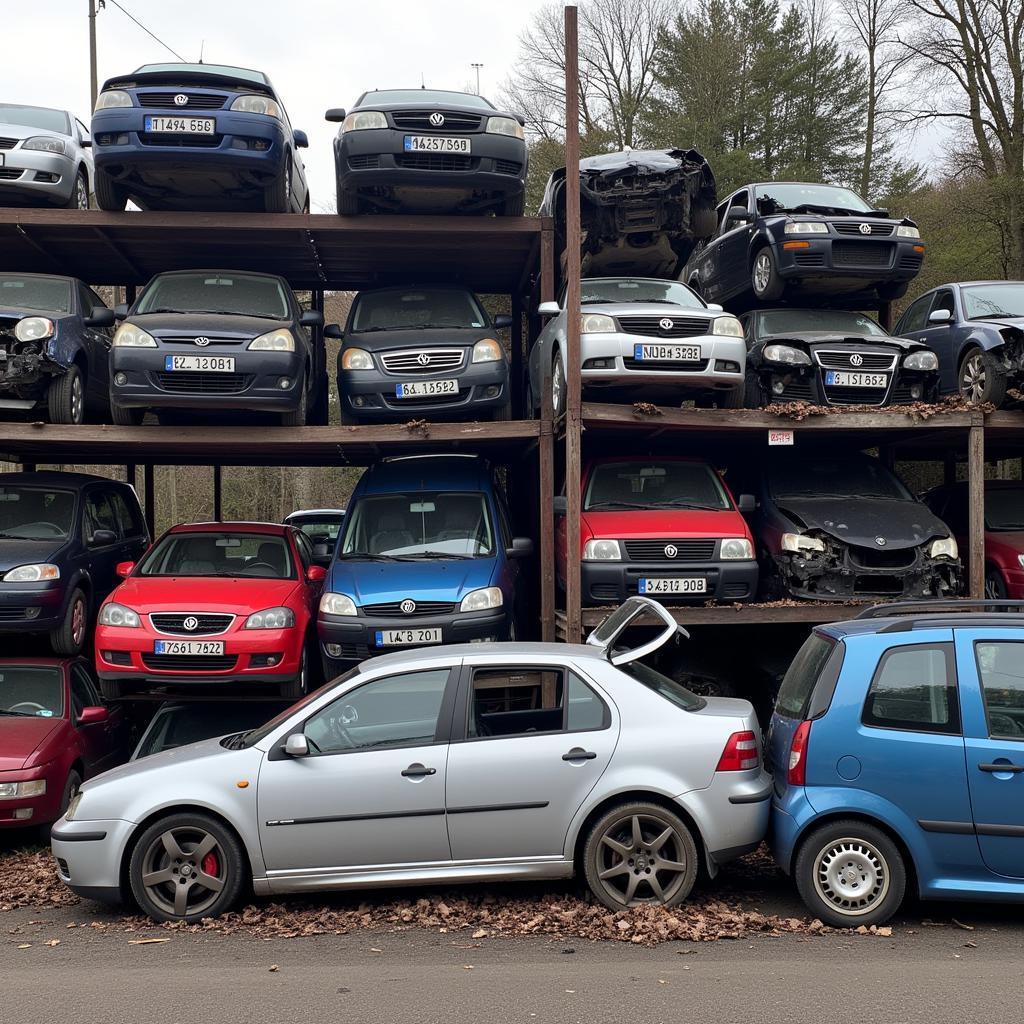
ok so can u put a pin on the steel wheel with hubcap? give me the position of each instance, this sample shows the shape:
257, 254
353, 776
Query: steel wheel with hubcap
557, 387
982, 379
69, 636
995, 585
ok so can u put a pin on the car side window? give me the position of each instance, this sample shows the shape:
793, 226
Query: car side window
586, 712
944, 301
399, 711
83, 132
1001, 670
721, 210
84, 300
504, 526
128, 517
305, 548
916, 317
740, 201
86, 687
99, 515
914, 688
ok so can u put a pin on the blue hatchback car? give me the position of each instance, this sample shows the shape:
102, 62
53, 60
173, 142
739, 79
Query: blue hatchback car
897, 746
426, 556
196, 137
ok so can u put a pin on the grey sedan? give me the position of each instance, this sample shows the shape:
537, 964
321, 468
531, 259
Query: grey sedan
457, 764
45, 158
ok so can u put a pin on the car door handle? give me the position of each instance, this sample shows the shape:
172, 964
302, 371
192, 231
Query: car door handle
579, 754
1012, 769
417, 771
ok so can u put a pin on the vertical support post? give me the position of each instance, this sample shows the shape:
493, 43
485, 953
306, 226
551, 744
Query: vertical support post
147, 476
546, 448
129, 293
516, 361
217, 493
547, 263
573, 602
319, 412
885, 315
93, 85
976, 504
129, 473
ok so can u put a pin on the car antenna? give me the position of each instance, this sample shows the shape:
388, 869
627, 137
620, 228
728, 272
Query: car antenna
202, 46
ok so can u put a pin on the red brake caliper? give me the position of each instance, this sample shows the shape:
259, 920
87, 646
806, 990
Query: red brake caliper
210, 865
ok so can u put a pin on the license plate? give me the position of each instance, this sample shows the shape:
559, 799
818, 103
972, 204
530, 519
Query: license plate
208, 364
181, 125
680, 585
1, 159
841, 379
667, 353
425, 388
437, 144
194, 647
407, 637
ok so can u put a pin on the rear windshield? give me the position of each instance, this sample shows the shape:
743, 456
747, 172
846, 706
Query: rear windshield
673, 692
33, 691
798, 684
259, 555
319, 528
36, 513
416, 309
35, 117
44, 293
241, 294
652, 484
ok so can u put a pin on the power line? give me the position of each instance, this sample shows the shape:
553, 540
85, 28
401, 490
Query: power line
147, 31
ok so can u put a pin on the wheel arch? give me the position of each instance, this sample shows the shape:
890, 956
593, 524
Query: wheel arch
760, 240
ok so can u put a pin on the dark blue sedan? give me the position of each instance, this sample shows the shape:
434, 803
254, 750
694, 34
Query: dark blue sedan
196, 137
976, 328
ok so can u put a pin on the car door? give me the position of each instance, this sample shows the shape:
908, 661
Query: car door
100, 554
941, 338
913, 324
95, 736
734, 243
531, 739
371, 791
310, 591
991, 666
705, 259
97, 342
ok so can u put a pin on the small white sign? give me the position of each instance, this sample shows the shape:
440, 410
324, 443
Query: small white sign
780, 437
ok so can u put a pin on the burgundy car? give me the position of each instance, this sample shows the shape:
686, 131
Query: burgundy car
55, 732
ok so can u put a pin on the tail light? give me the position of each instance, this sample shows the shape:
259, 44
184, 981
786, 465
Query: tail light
740, 754
797, 774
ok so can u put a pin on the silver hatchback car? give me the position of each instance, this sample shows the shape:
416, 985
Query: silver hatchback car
457, 764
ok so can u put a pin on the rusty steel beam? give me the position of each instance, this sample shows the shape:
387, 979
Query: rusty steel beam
976, 505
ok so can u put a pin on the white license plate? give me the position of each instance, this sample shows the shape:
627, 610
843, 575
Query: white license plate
407, 637
680, 585
841, 379
207, 364
426, 388
437, 144
1, 159
193, 647
181, 125
667, 353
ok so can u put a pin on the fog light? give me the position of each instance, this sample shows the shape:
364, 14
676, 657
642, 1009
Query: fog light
120, 379
726, 366
21, 813
916, 391
284, 383
358, 401
778, 386
599, 364
493, 391
334, 650
260, 144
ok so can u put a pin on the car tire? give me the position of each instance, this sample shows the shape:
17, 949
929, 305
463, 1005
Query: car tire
752, 395
558, 386
705, 222
69, 637
982, 379
621, 861
71, 786
514, 205
297, 417
502, 413
892, 292
122, 417
736, 398
850, 873
170, 845
79, 199
299, 686
995, 584
347, 203
109, 195
65, 397
764, 276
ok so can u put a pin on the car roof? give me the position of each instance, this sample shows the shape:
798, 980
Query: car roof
215, 270
314, 512
426, 472
48, 661
53, 478
213, 70
227, 526
541, 651
928, 620
41, 277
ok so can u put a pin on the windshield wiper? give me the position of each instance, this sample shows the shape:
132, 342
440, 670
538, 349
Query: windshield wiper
18, 714
438, 554
596, 506
687, 504
366, 556
989, 316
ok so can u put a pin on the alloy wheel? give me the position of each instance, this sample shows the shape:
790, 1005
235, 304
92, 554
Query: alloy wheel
78, 622
641, 859
851, 876
973, 379
81, 194
184, 871
762, 271
557, 386
77, 400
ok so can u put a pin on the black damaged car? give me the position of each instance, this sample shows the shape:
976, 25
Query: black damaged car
841, 527
641, 211
833, 357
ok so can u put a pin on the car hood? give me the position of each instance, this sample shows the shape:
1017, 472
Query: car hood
15, 313
22, 131
1011, 541
433, 580
668, 523
21, 736
24, 552
1001, 321
861, 520
657, 309
176, 757
215, 325
438, 337
234, 594
818, 339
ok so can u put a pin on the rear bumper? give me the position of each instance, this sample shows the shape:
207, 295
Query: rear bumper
26, 189
605, 582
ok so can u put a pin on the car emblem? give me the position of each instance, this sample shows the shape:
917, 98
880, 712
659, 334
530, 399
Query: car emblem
865, 229
408, 606
181, 100
423, 359
856, 359
666, 324
202, 342
437, 119
190, 622
880, 541
671, 551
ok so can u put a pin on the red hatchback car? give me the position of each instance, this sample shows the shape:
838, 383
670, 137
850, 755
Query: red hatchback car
663, 526
213, 603
55, 732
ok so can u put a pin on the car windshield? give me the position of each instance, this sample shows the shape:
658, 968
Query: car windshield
796, 197
800, 321
655, 483
426, 97
242, 294
47, 293
673, 692
630, 289
253, 736
36, 691
224, 553
244, 74
993, 300
35, 513
320, 527
423, 524
1004, 509
400, 309
35, 117
174, 727
834, 478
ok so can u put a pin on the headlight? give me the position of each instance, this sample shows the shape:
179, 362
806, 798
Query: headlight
35, 573
271, 618
130, 336
602, 551
45, 144
504, 126
274, 341
478, 600
727, 326
256, 105
69, 814
14, 790
113, 98
801, 543
921, 361
1020, 559
487, 350
596, 323
33, 328
944, 547
737, 548
337, 604
786, 354
356, 359
360, 120
118, 615
907, 231
806, 227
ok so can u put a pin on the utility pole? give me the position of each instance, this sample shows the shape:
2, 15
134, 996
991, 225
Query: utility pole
477, 68
93, 88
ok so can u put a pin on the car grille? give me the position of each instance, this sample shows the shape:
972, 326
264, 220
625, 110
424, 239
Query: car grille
207, 623
855, 396
508, 167
799, 389
190, 340
419, 120
650, 326
674, 367
881, 558
392, 609
869, 360
604, 592
654, 550
10, 173
846, 227
434, 161
17, 613
364, 161
912, 261
198, 383
809, 259
861, 254
410, 361
196, 100
8, 143
191, 663
735, 590
901, 395
181, 141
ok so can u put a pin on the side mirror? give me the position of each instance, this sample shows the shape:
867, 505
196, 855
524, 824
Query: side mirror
560, 505
101, 538
747, 503
335, 114
738, 216
301, 139
522, 547
548, 309
100, 316
334, 331
86, 143
311, 318
322, 554
502, 320
124, 569
316, 573
716, 307
296, 745
940, 317
121, 311
93, 716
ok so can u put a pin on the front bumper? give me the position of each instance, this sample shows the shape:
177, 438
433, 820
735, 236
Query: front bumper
254, 384
779, 383
32, 810
1014, 584
848, 262
89, 855
25, 377
612, 582
29, 178
31, 607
